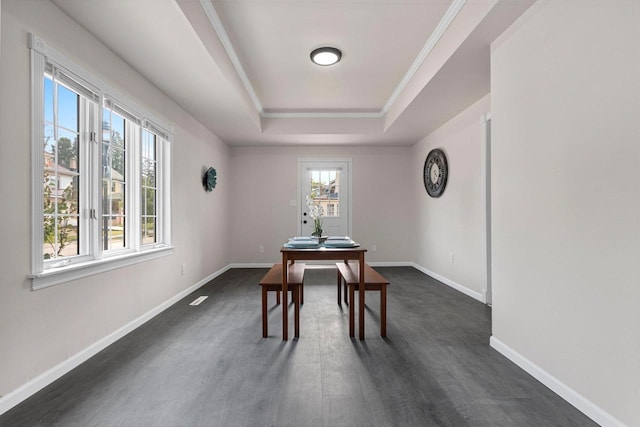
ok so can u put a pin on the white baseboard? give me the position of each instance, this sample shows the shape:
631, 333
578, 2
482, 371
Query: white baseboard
451, 283
391, 264
252, 265
26, 390
473, 294
325, 262
581, 403
270, 264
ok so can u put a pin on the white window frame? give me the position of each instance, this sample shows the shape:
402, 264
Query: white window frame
95, 260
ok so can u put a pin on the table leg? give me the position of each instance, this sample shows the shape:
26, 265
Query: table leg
361, 296
265, 328
285, 293
383, 311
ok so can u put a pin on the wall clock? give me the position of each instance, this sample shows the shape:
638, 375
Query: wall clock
209, 179
435, 171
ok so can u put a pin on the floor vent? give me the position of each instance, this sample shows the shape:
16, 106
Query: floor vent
199, 300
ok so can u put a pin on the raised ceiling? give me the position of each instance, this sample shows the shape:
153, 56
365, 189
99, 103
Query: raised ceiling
242, 67
273, 40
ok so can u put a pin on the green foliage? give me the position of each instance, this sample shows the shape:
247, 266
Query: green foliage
66, 153
57, 231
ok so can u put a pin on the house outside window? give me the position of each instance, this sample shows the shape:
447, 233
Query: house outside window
325, 191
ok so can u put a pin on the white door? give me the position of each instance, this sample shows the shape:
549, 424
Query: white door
328, 184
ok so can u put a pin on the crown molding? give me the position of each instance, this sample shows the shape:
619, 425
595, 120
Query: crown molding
455, 7
322, 115
216, 23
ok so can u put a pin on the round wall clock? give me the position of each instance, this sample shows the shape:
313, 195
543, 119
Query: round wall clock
435, 172
209, 179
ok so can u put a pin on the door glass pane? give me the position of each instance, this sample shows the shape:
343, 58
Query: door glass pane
325, 191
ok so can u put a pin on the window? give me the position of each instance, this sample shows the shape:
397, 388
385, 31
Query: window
100, 175
61, 172
325, 189
148, 202
116, 134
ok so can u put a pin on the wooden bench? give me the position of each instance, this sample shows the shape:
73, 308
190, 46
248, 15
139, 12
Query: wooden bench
349, 275
272, 281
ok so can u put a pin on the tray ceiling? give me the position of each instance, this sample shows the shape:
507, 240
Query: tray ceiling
242, 67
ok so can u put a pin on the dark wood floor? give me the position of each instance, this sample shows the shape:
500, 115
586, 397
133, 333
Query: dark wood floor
209, 366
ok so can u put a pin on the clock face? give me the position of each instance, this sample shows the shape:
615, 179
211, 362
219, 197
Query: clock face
435, 172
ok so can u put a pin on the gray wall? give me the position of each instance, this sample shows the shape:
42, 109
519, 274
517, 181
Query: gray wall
566, 199
265, 180
42, 329
454, 222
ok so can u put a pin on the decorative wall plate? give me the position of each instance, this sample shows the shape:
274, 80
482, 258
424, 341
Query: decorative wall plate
209, 179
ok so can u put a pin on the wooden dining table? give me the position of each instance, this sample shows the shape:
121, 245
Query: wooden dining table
322, 253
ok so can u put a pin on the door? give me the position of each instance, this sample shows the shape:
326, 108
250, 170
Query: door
328, 185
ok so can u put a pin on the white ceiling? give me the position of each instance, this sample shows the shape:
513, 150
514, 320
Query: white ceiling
273, 40
242, 67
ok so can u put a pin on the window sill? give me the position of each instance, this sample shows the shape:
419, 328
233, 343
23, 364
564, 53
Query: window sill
56, 276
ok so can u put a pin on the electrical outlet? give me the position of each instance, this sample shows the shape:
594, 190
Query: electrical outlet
451, 257
261, 249
293, 202
183, 268
374, 248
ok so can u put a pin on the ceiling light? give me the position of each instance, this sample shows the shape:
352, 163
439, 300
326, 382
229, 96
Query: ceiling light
326, 56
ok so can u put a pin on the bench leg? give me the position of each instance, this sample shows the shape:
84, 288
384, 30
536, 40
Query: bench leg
296, 310
302, 293
339, 281
278, 297
351, 310
383, 311
265, 331
345, 292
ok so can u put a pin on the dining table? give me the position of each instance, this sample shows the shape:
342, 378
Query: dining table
323, 253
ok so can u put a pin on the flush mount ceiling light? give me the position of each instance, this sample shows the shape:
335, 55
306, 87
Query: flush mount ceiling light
326, 56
